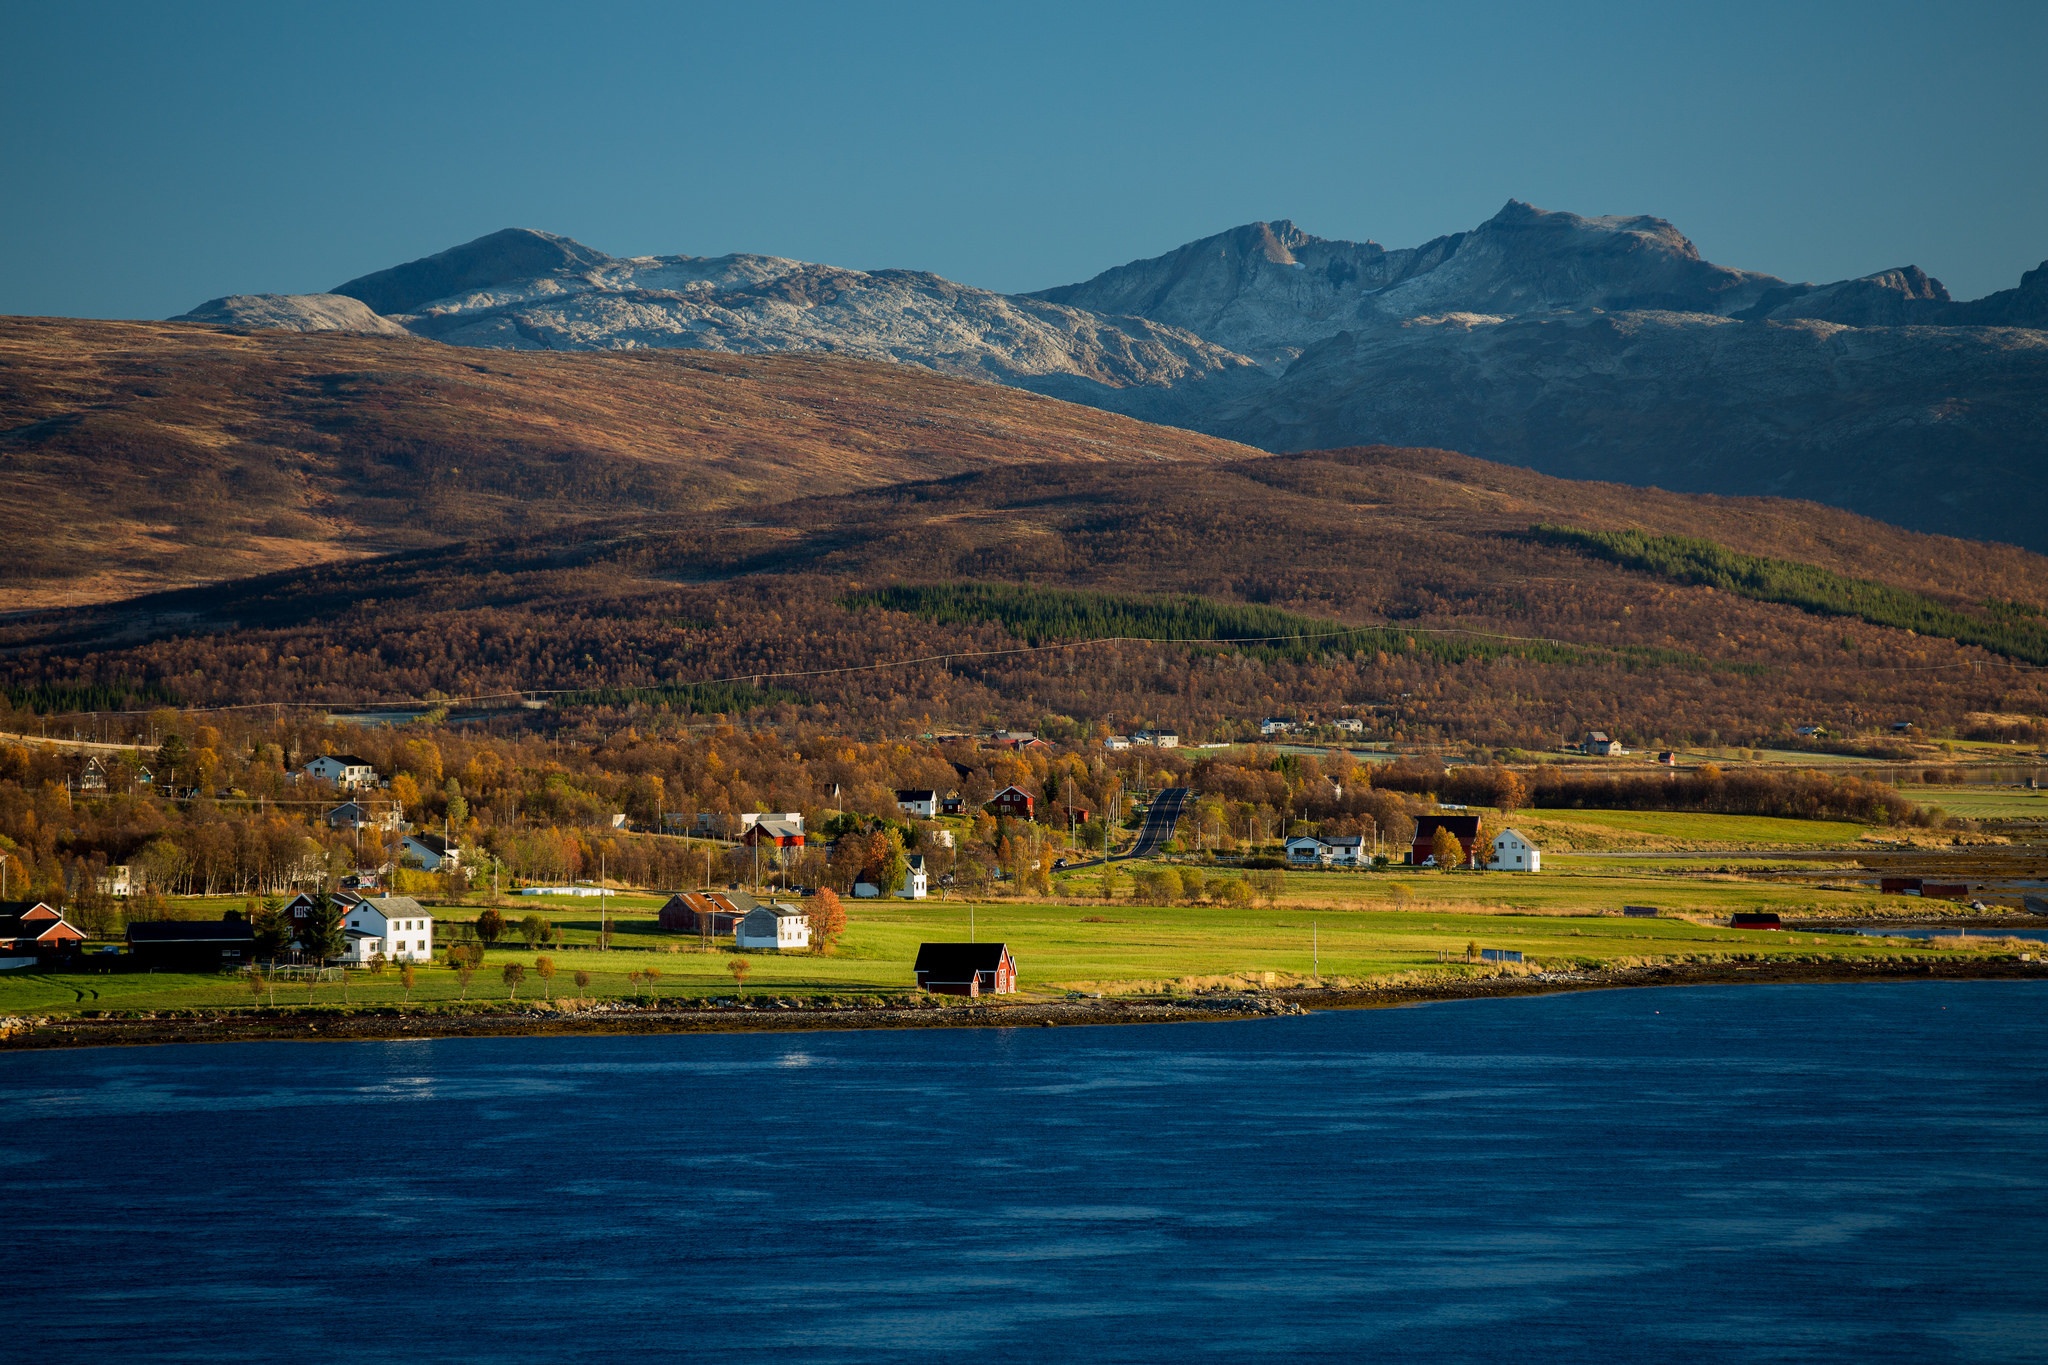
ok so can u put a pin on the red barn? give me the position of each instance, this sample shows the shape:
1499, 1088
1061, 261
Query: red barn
701, 912
966, 969
1013, 802
1465, 828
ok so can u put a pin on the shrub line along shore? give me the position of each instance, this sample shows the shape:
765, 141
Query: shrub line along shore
338, 1023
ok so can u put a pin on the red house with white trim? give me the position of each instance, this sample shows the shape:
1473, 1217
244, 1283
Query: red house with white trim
1014, 802
34, 927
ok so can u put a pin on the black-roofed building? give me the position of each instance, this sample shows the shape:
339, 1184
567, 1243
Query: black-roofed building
966, 969
193, 945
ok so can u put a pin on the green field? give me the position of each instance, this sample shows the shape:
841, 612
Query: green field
1639, 830
1338, 926
1987, 803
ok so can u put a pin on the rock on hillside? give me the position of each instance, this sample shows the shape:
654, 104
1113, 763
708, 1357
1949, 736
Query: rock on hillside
293, 313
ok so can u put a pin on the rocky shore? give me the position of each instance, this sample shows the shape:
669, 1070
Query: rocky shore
790, 1015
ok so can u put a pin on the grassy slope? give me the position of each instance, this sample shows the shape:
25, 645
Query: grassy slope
143, 456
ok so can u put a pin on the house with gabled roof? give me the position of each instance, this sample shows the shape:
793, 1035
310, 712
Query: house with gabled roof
397, 927
36, 927
966, 969
1014, 802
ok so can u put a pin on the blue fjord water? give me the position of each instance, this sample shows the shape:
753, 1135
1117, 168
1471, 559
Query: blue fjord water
1744, 1173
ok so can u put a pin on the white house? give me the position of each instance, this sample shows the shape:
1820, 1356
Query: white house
116, 880
343, 770
1117, 742
1337, 850
1350, 725
1306, 850
395, 926
1279, 725
915, 885
1513, 853
431, 850
1158, 739
775, 925
1601, 743
923, 804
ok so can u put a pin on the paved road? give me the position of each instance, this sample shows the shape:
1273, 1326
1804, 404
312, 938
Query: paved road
1159, 823
1158, 828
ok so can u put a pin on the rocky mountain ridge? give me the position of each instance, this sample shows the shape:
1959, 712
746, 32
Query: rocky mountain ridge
1603, 347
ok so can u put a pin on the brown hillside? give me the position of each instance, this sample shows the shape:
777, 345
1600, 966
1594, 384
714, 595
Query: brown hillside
142, 456
1420, 539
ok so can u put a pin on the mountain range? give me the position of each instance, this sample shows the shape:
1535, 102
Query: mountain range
1590, 347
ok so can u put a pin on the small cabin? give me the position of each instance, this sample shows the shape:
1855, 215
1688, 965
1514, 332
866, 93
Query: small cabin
973, 969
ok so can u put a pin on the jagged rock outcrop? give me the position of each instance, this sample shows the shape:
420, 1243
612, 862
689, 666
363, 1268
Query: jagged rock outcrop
293, 313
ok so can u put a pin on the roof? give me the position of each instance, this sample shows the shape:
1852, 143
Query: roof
1007, 790
192, 931
1596, 737
24, 909
777, 909
433, 843
1346, 841
1515, 834
17, 927
1464, 826
953, 961
917, 794
393, 906
346, 760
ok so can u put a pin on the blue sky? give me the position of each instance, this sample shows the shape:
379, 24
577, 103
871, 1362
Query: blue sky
158, 155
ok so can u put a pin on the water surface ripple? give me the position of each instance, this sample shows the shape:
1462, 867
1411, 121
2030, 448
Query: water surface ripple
1743, 1173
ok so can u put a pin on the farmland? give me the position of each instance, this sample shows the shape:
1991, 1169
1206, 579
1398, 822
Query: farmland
1338, 928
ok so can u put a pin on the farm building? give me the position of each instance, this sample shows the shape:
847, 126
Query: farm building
705, 912
1514, 853
916, 882
1755, 919
193, 945
1465, 828
966, 969
1601, 743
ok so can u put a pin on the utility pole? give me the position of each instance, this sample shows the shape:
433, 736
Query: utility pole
1315, 940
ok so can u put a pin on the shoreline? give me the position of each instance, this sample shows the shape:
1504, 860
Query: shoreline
46, 1033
